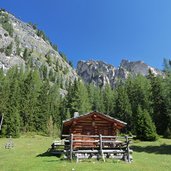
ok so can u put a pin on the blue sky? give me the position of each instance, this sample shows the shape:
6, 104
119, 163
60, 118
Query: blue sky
108, 30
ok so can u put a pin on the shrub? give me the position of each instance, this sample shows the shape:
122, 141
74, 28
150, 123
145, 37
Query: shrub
2, 50
6, 24
8, 49
18, 50
41, 34
55, 47
25, 54
63, 56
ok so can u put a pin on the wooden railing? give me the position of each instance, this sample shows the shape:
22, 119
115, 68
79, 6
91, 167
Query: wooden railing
120, 144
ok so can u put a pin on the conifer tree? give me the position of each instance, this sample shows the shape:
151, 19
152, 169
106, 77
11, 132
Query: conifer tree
98, 100
42, 113
80, 101
160, 115
145, 128
55, 101
168, 104
108, 99
123, 109
69, 99
30, 93
139, 94
25, 54
11, 105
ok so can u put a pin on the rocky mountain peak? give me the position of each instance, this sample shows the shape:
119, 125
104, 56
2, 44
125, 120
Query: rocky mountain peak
96, 72
100, 73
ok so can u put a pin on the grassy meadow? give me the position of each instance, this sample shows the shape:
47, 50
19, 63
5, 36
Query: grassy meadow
27, 155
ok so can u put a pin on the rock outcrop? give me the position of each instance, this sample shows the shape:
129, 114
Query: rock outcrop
100, 73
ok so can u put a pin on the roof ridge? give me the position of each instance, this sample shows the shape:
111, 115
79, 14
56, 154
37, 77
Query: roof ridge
98, 113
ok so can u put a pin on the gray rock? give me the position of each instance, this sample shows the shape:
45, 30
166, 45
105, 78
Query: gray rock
100, 73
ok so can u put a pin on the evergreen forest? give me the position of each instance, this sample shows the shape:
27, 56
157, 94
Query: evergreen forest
29, 103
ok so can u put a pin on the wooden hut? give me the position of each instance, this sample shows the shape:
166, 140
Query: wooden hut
93, 123
92, 134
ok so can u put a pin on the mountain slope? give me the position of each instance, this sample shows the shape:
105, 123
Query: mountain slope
23, 44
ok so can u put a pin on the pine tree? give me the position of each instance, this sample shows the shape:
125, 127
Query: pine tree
25, 54
10, 109
2, 77
80, 101
69, 99
29, 95
139, 94
168, 104
55, 101
160, 115
145, 128
42, 114
98, 100
108, 99
123, 109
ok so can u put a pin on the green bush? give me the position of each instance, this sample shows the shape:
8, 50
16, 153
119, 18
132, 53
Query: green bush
6, 24
41, 34
18, 49
2, 50
55, 47
8, 49
8, 27
25, 54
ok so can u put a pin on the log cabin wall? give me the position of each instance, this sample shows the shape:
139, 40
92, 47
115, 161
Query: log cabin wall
92, 125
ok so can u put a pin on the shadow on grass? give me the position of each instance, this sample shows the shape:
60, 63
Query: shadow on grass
162, 149
48, 153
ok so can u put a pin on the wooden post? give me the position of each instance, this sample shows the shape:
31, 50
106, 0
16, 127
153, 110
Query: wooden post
101, 147
71, 146
1, 121
127, 148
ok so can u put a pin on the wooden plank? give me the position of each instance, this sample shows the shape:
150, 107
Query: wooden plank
101, 147
128, 151
71, 146
97, 151
91, 136
65, 135
106, 136
85, 141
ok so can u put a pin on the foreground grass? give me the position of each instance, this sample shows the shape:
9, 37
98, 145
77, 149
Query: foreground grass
26, 156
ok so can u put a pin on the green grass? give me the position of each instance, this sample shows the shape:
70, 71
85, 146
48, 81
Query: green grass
25, 156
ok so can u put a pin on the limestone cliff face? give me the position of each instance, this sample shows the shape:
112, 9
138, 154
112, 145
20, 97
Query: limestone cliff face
25, 36
96, 72
100, 73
